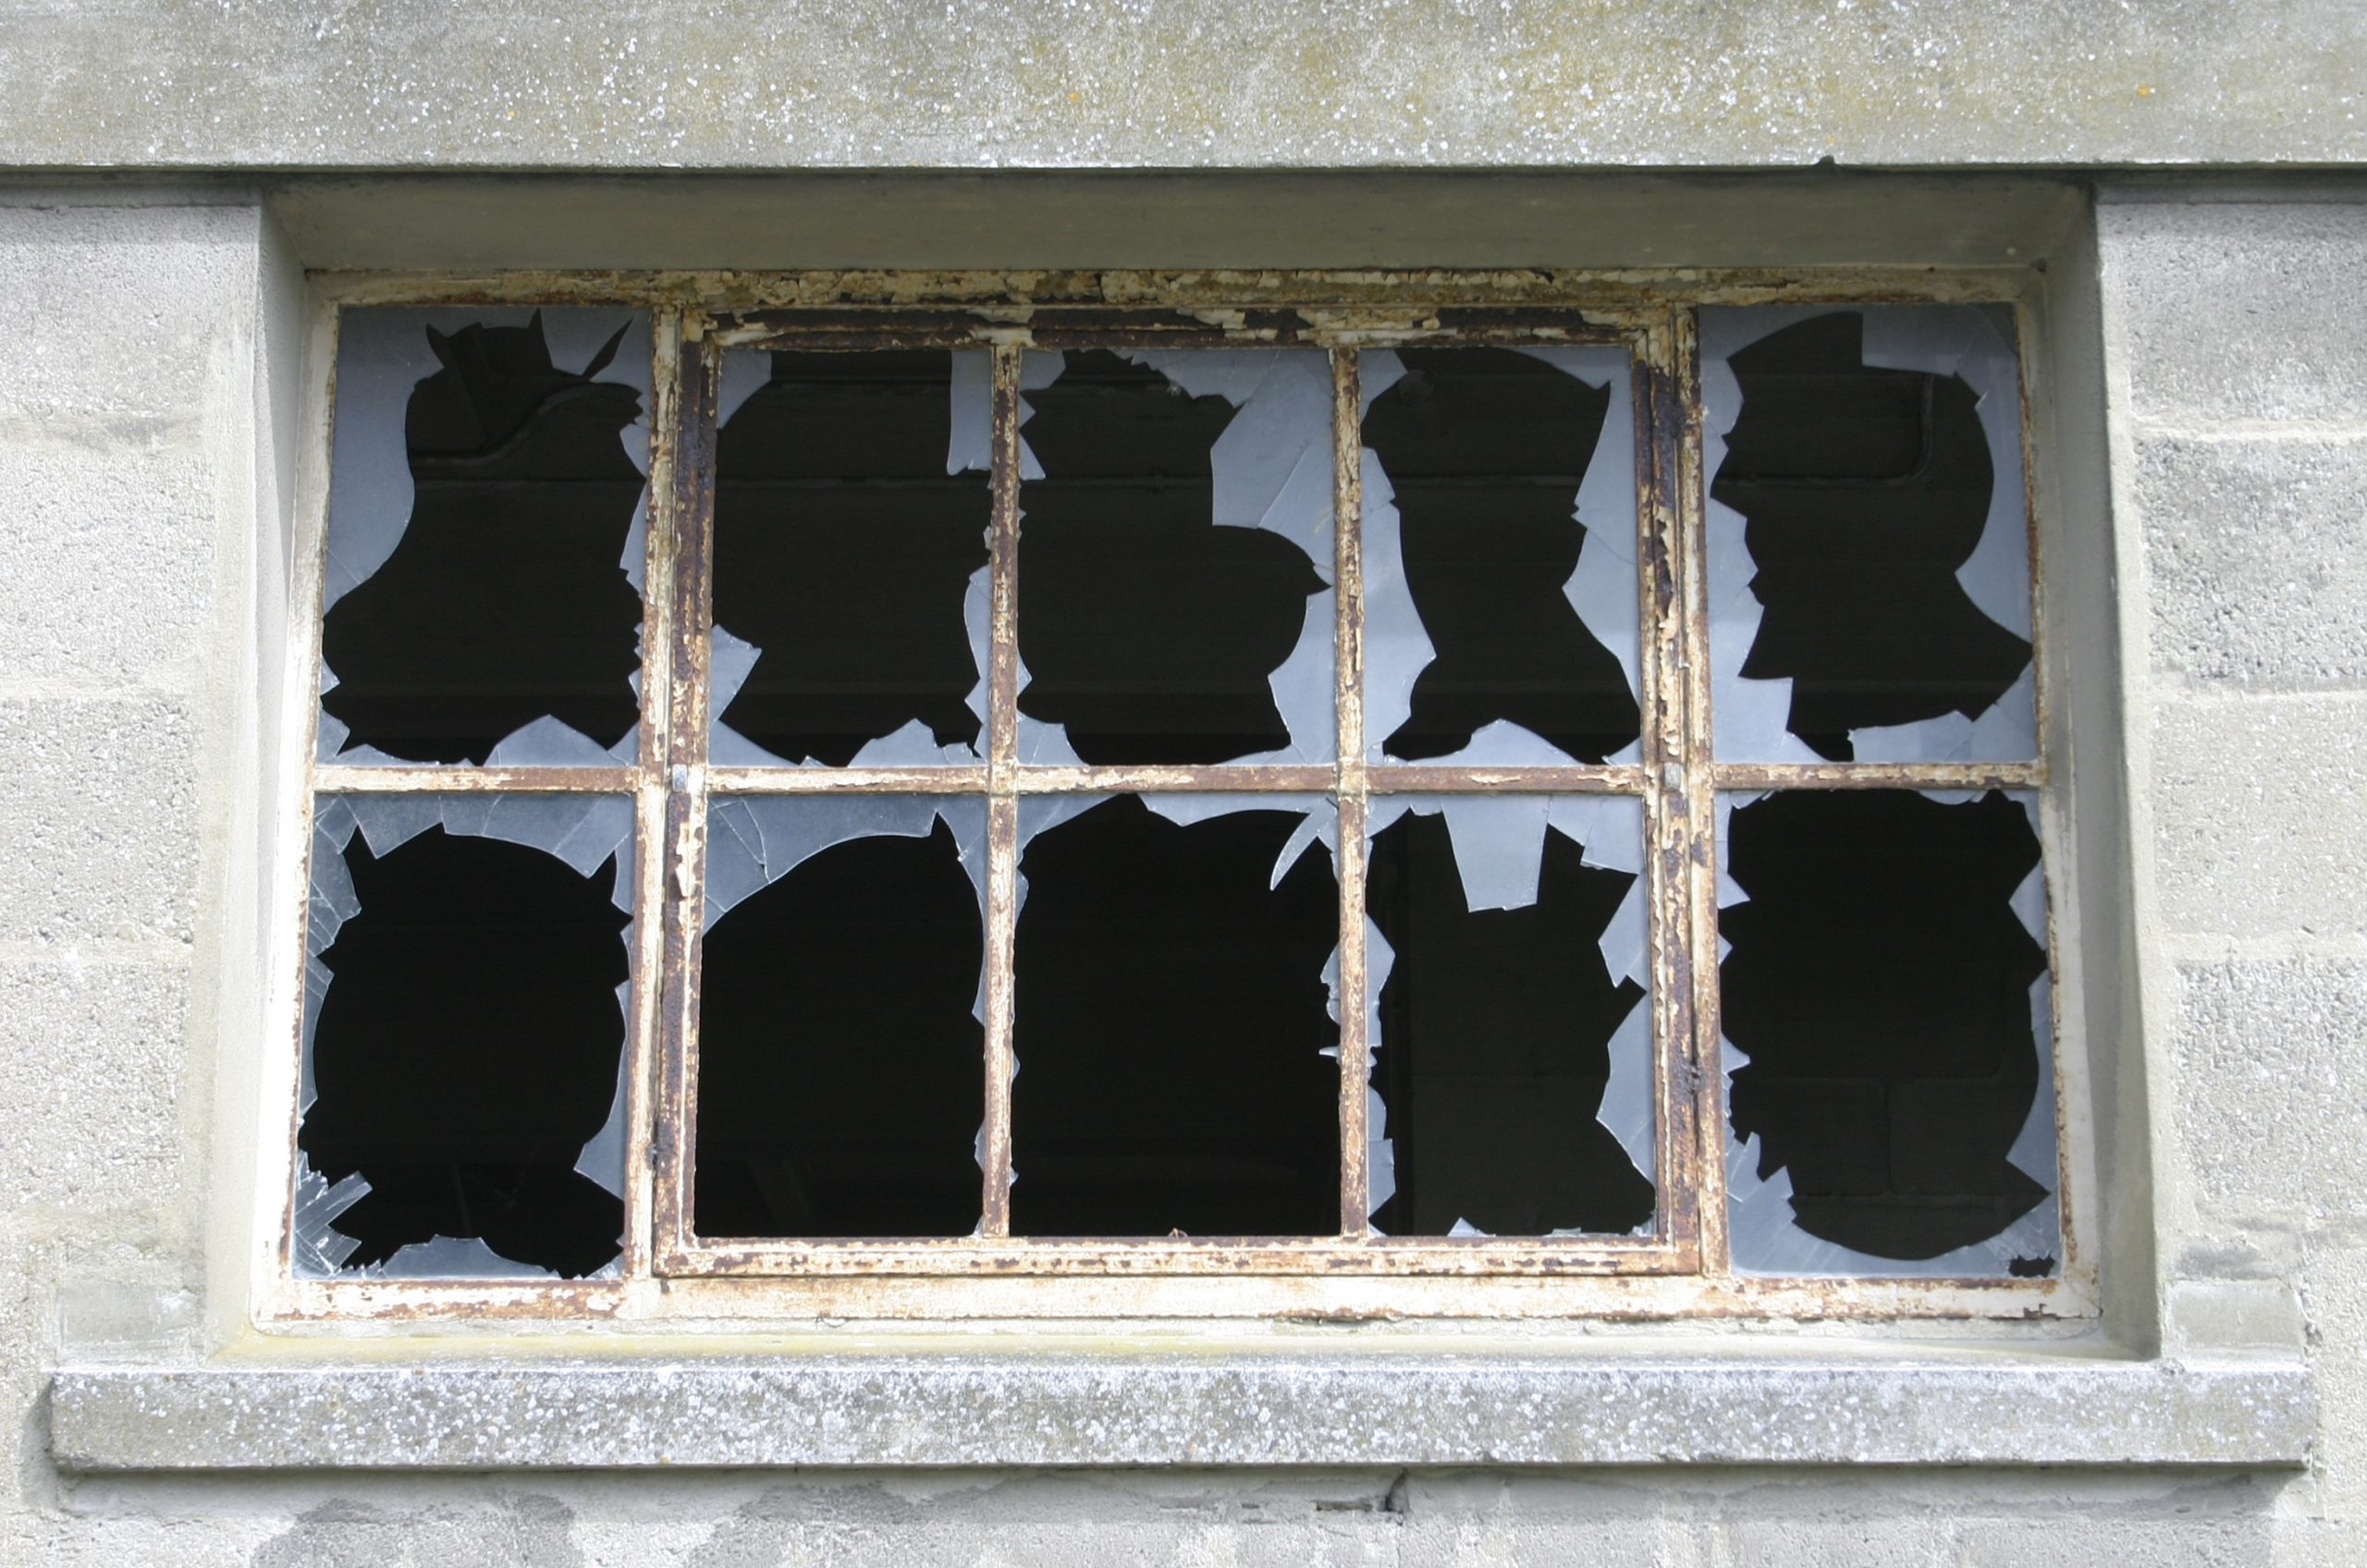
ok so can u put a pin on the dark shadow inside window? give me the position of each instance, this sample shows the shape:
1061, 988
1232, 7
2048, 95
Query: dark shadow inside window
506, 598
1880, 983
1147, 630
1485, 449
1493, 1054
844, 551
842, 1071
467, 1049
1864, 491
1171, 1020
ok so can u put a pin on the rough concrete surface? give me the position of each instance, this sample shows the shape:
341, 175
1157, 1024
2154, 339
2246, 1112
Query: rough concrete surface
1121, 83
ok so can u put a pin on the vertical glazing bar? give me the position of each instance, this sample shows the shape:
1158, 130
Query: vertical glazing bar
1701, 1112
1002, 802
649, 790
698, 373
1347, 533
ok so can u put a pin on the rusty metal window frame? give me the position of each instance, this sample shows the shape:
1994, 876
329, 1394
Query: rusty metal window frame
1677, 1269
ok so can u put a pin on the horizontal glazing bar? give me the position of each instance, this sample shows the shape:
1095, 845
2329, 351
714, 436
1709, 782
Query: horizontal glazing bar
328, 778
1879, 775
1398, 781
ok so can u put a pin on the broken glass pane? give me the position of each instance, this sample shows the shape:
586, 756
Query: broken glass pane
841, 1053
487, 523
852, 509
1512, 1040
1500, 597
1176, 1046
1175, 557
1868, 559
468, 977
1888, 1033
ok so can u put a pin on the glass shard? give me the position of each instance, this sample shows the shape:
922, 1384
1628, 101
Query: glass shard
486, 535
1886, 1013
841, 1077
1500, 538
1869, 558
1173, 560
850, 517
463, 1057
1173, 1018
1511, 1050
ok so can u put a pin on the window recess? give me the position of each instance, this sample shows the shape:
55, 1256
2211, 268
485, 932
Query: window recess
1070, 790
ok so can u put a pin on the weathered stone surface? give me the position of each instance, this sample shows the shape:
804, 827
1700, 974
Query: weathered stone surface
90, 1086
2267, 1058
98, 815
2260, 814
665, 83
2257, 556
2239, 310
979, 1410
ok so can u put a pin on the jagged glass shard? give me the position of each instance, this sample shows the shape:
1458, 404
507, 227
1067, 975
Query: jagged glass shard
841, 1054
1868, 557
1888, 1035
1175, 557
487, 536
464, 1052
852, 514
1511, 1031
1501, 604
1172, 1020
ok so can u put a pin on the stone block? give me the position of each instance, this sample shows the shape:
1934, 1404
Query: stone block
119, 316
2256, 552
2238, 309
110, 548
2271, 1106
90, 1086
2260, 814
100, 817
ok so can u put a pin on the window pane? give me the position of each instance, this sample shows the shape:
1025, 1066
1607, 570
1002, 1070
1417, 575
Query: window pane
851, 510
487, 519
1500, 597
841, 1065
1511, 1037
1889, 1035
1177, 1051
464, 1030
1868, 555
1175, 557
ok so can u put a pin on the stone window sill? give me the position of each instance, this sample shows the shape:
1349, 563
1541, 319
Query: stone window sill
1008, 1409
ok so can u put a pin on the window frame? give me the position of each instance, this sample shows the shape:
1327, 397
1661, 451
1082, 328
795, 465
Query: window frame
1678, 1269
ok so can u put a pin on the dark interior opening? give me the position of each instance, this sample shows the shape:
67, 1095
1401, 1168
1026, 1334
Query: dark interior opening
1147, 630
844, 551
506, 599
1171, 1017
1864, 490
1485, 449
467, 1048
842, 1071
1880, 983
1495, 1027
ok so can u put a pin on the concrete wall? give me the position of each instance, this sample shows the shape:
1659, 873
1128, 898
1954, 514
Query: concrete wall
150, 412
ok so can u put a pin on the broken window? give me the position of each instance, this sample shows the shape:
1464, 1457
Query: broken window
1144, 791
487, 520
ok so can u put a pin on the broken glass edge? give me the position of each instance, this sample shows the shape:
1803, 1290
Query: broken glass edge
1605, 842
1601, 589
1271, 469
1762, 1240
567, 828
370, 484
1941, 339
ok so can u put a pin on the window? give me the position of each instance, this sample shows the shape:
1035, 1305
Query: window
1328, 793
